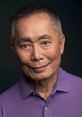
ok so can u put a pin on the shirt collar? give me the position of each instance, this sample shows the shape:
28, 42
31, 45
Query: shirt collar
25, 88
62, 84
62, 81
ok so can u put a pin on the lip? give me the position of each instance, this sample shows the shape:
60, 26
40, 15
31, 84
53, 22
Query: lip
40, 69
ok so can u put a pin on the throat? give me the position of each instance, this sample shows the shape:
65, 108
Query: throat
45, 87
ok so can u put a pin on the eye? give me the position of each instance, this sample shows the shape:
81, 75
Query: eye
24, 46
45, 43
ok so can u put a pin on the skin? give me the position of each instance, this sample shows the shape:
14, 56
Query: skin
39, 47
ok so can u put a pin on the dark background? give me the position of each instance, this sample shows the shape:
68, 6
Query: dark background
71, 16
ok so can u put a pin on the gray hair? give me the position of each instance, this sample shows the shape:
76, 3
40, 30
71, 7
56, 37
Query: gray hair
33, 8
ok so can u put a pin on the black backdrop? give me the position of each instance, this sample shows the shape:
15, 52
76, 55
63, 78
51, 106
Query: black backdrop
71, 17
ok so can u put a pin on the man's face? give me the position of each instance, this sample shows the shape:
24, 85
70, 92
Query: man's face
38, 46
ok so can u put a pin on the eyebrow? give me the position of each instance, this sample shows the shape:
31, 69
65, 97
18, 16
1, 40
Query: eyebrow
21, 40
28, 39
44, 37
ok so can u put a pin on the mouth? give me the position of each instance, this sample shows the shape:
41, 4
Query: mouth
40, 68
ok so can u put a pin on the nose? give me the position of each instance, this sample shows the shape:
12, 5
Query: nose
36, 54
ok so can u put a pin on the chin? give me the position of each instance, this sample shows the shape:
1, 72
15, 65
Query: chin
38, 76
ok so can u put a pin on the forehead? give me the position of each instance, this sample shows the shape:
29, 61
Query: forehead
37, 18
34, 18
35, 25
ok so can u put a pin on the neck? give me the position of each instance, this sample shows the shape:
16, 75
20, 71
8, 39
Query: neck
44, 87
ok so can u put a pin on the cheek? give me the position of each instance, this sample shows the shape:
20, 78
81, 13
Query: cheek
54, 53
54, 58
23, 57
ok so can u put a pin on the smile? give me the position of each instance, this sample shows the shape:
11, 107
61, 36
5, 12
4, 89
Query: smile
40, 69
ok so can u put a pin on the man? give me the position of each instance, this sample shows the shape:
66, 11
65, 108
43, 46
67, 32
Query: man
45, 89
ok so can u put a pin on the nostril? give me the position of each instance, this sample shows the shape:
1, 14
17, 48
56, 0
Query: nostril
34, 58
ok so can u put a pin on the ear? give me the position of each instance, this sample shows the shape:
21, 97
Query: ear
62, 43
12, 47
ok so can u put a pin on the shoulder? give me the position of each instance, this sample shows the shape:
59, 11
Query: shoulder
71, 77
75, 82
9, 99
12, 92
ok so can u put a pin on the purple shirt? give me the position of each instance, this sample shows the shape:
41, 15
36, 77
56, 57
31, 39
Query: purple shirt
65, 100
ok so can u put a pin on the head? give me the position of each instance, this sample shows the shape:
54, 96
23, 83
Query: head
38, 40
